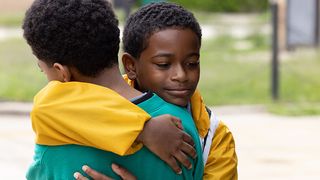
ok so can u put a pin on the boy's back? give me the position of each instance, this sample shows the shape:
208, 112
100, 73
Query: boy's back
60, 162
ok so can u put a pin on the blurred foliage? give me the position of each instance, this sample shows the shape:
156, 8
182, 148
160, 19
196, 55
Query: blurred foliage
294, 109
225, 5
222, 5
20, 77
11, 19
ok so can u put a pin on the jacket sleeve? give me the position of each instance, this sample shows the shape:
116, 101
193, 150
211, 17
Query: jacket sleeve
222, 160
99, 118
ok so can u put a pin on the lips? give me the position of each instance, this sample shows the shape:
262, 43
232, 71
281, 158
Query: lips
178, 92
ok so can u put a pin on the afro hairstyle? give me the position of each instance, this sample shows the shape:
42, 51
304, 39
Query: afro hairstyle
83, 34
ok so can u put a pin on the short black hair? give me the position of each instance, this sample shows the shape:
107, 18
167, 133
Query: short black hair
83, 34
153, 18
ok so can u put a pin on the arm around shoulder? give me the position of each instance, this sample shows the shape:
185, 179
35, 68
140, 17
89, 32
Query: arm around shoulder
87, 115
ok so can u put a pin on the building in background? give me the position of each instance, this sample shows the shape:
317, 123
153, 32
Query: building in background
299, 23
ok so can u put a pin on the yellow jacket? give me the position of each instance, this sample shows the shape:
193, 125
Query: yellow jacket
73, 125
221, 162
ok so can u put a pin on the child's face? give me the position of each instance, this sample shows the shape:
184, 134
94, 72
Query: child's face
169, 66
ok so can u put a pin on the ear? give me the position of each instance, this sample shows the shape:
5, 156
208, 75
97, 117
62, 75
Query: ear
63, 72
129, 65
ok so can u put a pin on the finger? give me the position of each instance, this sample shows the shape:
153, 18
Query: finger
78, 176
177, 122
183, 159
174, 165
188, 139
94, 174
188, 150
123, 173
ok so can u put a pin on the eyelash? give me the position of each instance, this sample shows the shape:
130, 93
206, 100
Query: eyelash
166, 65
163, 65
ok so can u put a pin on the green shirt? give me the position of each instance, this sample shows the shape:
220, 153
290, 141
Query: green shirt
60, 162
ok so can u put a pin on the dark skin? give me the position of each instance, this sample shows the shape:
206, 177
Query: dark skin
169, 66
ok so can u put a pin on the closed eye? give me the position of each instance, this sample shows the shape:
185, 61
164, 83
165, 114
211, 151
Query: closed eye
162, 65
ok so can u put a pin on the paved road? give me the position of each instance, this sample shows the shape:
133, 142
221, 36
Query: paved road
269, 147
276, 148
16, 146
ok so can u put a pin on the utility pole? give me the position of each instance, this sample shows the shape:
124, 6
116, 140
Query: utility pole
275, 52
317, 24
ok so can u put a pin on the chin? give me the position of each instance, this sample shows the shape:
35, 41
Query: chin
179, 103
176, 101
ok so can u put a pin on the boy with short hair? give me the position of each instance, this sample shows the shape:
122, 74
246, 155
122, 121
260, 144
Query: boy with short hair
161, 43
77, 42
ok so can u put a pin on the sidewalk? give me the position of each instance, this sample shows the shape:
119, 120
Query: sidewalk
15, 108
269, 147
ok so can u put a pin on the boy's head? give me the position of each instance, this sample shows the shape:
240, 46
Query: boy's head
79, 34
162, 43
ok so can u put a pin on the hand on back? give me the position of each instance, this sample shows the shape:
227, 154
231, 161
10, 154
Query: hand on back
123, 173
164, 136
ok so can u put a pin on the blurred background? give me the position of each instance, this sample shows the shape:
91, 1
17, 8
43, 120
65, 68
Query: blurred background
236, 55
260, 72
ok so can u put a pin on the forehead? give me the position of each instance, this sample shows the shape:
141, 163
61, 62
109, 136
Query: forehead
173, 38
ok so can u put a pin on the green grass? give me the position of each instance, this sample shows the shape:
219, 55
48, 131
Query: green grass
20, 77
231, 76
299, 85
227, 77
294, 109
11, 19
300, 77
15, 19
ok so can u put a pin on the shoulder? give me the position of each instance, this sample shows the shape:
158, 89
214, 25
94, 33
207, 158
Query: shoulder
223, 137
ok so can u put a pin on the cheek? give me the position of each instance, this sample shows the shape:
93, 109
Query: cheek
195, 76
154, 74
153, 81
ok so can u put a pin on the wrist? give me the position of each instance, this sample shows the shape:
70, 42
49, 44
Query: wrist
141, 136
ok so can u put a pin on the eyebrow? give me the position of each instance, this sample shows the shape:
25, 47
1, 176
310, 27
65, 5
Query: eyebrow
162, 55
170, 55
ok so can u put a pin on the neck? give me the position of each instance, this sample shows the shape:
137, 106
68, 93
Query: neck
112, 79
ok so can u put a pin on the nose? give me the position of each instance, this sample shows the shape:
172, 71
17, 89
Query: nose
179, 74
